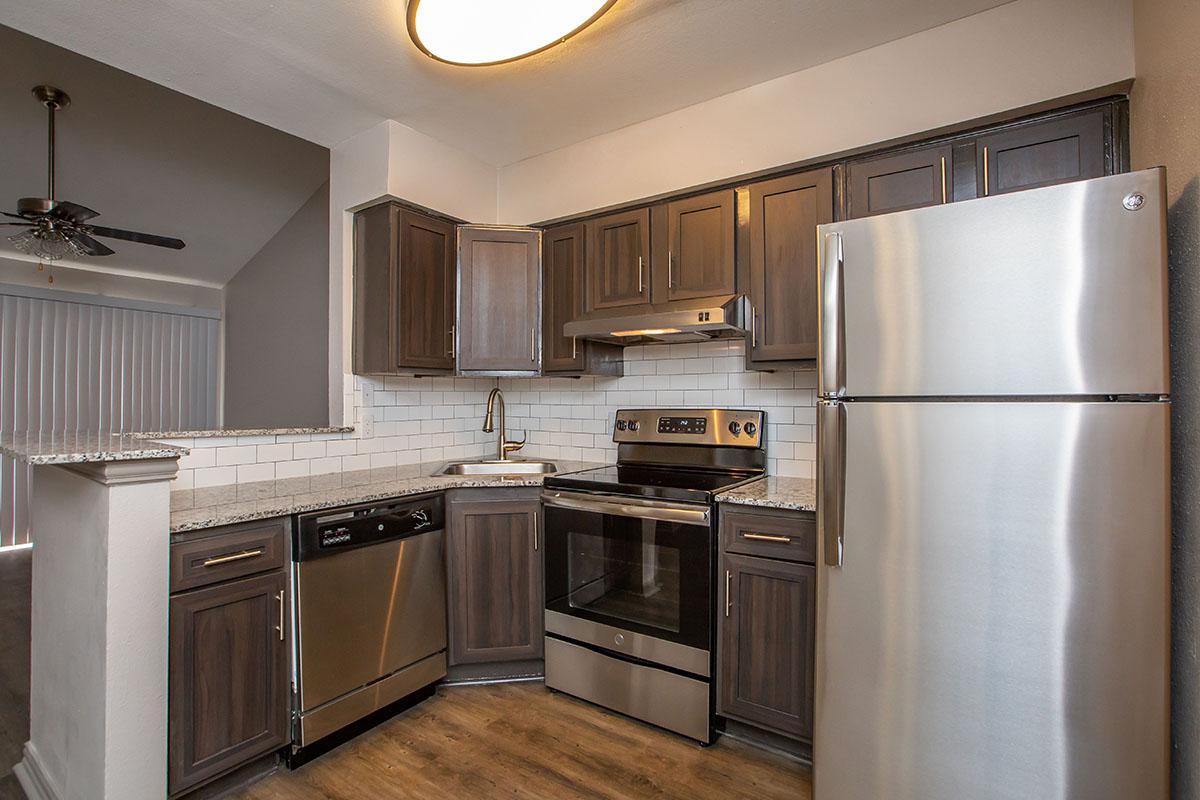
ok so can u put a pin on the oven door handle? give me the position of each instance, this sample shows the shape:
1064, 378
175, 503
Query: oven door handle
630, 507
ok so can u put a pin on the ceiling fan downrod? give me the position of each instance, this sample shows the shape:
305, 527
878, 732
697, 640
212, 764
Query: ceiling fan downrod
53, 99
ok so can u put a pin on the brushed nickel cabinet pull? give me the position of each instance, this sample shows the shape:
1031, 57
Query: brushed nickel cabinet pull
641, 284
944, 195
215, 560
279, 627
574, 350
986, 188
451, 351
535, 532
670, 270
728, 596
767, 537
753, 327
533, 345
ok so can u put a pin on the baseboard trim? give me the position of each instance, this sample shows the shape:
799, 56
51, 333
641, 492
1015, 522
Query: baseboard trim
33, 778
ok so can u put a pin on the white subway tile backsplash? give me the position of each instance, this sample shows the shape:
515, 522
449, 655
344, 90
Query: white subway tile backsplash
411, 420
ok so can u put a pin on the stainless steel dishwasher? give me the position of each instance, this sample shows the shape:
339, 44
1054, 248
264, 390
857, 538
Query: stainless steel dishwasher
370, 612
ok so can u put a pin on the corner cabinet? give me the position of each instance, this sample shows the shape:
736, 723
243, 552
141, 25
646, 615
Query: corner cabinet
499, 327
494, 565
228, 662
404, 291
783, 217
766, 639
563, 292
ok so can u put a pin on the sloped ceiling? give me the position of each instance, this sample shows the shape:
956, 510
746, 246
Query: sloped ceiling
325, 71
150, 159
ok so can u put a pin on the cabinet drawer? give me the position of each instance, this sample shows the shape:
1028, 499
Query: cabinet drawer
790, 536
225, 553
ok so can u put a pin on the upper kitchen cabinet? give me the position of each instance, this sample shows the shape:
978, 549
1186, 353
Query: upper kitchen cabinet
1029, 155
783, 216
618, 260
700, 254
499, 313
908, 179
404, 291
563, 292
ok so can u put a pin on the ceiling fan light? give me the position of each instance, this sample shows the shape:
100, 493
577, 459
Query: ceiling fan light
485, 32
45, 245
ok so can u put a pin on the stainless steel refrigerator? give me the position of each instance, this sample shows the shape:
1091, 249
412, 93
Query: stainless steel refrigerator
993, 585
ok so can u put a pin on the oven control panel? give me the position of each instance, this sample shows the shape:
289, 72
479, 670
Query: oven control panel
699, 426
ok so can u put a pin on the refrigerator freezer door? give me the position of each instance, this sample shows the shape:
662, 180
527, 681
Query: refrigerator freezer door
998, 628
1054, 291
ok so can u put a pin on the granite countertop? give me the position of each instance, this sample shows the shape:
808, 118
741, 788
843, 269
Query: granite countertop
193, 509
83, 448
794, 494
243, 432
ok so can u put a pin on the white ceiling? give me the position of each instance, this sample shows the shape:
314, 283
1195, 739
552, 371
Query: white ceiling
325, 70
149, 159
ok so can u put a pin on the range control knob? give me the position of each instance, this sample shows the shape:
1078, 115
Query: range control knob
634, 425
750, 428
621, 425
735, 427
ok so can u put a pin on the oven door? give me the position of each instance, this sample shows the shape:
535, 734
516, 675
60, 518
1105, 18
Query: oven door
631, 576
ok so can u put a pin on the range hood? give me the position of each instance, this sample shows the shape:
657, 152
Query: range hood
722, 317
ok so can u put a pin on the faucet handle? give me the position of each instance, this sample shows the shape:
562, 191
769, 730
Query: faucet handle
512, 447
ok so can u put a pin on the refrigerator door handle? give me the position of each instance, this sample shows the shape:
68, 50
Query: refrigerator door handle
831, 479
831, 376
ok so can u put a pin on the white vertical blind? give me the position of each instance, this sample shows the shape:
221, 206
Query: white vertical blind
78, 363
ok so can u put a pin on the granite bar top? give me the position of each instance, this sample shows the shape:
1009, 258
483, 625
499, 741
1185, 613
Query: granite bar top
193, 509
794, 494
243, 432
83, 448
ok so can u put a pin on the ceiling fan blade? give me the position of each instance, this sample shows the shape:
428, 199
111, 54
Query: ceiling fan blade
72, 212
90, 245
134, 236
14, 216
19, 224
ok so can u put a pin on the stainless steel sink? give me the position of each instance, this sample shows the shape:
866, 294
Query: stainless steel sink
511, 467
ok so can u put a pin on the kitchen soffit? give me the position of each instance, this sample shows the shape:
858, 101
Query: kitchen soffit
325, 72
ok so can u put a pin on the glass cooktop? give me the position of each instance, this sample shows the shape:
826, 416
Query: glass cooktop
666, 483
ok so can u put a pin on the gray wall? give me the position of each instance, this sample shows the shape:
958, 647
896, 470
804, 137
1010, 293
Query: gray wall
1166, 130
277, 326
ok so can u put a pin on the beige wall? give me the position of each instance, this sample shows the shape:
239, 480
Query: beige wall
1015, 55
1165, 122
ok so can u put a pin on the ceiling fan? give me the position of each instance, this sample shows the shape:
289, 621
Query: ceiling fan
58, 228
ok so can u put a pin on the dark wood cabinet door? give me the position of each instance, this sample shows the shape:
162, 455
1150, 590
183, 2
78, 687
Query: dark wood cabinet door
499, 270
494, 562
910, 179
767, 639
562, 297
618, 260
1034, 154
700, 256
228, 681
783, 218
425, 293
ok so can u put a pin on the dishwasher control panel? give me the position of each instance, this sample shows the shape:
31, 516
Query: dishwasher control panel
327, 532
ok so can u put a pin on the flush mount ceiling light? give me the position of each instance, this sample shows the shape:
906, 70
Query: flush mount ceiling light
483, 32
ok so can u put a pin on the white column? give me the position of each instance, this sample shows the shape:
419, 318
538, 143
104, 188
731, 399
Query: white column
98, 695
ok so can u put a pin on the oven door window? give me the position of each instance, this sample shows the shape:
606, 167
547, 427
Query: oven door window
644, 575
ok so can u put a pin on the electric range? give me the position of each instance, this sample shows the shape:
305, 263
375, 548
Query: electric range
630, 554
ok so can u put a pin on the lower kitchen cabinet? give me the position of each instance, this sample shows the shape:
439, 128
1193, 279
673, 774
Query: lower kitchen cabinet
228, 684
766, 639
494, 566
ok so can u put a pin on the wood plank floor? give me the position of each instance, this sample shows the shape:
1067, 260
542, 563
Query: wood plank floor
522, 741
